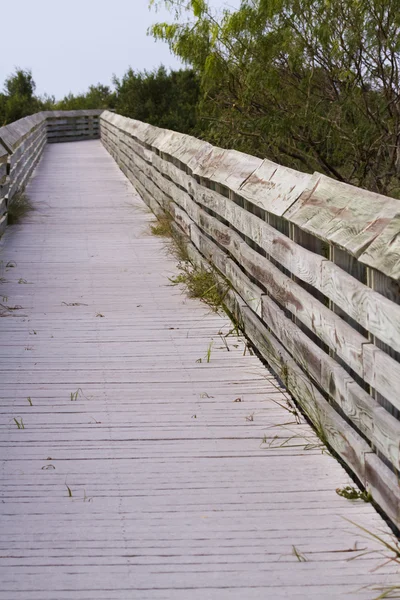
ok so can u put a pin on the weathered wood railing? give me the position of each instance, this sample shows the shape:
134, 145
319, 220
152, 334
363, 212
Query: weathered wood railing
22, 144
73, 125
314, 266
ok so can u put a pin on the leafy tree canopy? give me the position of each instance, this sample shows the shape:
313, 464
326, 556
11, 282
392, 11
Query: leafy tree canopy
162, 98
18, 99
97, 96
313, 84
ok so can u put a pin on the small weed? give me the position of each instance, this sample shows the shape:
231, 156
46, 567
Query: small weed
74, 304
86, 498
11, 264
235, 331
393, 548
202, 284
74, 395
11, 308
30, 401
162, 227
194, 417
223, 338
33, 332
284, 374
208, 353
69, 491
248, 349
18, 207
199, 360
20, 423
99, 315
391, 592
205, 395
352, 493
175, 246
289, 406
299, 555
250, 417
23, 281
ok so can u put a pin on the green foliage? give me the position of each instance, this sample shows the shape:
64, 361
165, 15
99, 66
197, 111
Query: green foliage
18, 99
97, 96
312, 84
161, 98
20, 423
162, 227
18, 207
352, 493
202, 284
164, 98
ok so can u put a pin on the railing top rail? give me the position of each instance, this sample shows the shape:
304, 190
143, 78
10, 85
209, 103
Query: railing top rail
364, 224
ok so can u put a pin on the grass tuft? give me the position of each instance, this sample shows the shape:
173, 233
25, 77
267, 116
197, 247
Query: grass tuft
390, 550
162, 227
201, 284
352, 493
18, 207
75, 395
299, 555
175, 246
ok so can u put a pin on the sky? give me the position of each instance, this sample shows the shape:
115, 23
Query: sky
71, 45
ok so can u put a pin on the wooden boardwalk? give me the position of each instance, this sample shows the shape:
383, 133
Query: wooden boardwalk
142, 472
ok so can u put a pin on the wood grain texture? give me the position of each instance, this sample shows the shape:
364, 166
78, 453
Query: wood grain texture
240, 258
13, 134
384, 252
174, 493
345, 441
383, 485
377, 314
3, 156
273, 187
342, 214
380, 428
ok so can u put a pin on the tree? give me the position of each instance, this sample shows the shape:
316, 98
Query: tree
313, 84
18, 99
97, 96
165, 99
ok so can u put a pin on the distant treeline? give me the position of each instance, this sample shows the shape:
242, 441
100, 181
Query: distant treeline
164, 98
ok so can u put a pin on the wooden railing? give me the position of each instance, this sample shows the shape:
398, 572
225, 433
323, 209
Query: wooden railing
313, 265
22, 144
314, 268
73, 125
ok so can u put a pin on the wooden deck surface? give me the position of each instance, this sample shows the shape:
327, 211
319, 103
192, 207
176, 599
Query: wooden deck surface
139, 473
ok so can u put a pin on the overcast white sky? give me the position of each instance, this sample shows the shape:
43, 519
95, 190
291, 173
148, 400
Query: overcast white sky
70, 45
